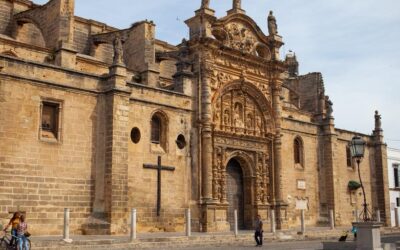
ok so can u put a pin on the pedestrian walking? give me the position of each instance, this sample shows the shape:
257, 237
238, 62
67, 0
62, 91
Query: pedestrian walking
258, 235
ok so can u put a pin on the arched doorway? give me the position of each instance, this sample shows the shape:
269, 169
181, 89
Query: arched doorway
235, 192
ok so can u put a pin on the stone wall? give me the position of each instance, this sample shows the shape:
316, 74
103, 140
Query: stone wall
143, 182
42, 178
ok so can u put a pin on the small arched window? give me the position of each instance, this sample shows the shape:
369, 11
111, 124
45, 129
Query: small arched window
348, 157
298, 151
159, 131
156, 129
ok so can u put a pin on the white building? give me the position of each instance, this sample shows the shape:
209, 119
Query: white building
393, 156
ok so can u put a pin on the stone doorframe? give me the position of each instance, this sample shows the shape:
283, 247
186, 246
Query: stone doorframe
256, 167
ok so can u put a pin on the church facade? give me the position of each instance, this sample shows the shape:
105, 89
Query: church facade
101, 120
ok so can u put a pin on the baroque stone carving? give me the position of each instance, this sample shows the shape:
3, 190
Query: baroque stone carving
240, 38
237, 112
218, 79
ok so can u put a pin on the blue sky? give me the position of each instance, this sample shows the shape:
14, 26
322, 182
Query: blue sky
355, 44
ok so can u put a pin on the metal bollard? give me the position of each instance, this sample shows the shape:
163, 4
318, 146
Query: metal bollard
236, 223
303, 226
133, 224
273, 225
66, 226
332, 219
188, 221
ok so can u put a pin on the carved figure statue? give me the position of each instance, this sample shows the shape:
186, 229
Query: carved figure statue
328, 106
378, 122
226, 118
238, 116
237, 4
258, 124
249, 122
272, 26
118, 51
205, 4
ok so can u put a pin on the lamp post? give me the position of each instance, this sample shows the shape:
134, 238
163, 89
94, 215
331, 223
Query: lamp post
357, 146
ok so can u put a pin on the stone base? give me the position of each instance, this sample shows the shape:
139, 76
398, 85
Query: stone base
95, 225
368, 235
214, 218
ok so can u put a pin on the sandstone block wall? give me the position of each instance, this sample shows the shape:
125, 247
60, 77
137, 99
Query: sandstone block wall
42, 178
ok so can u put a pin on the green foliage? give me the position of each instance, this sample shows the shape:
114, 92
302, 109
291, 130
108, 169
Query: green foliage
353, 185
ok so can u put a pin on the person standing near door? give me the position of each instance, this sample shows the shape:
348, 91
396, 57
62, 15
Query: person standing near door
258, 235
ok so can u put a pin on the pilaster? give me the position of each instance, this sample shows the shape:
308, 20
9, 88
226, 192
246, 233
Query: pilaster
279, 205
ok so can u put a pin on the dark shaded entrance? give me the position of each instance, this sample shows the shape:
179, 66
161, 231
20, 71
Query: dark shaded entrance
235, 194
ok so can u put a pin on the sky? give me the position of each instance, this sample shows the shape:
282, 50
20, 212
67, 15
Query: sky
353, 43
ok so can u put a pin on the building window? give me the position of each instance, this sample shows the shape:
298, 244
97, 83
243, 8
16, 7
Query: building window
397, 202
396, 176
348, 157
298, 151
50, 120
156, 129
158, 136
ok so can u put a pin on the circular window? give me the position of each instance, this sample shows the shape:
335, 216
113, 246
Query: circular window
135, 135
181, 142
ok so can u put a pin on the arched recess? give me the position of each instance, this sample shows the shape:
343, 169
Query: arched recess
298, 152
247, 166
240, 107
159, 131
28, 31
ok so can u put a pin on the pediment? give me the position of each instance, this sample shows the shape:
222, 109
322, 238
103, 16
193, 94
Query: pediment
241, 33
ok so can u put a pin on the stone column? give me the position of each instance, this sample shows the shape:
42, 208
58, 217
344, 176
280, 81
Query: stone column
206, 119
280, 205
381, 175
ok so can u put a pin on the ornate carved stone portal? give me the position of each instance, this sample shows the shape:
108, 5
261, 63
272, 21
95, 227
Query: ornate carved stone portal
243, 128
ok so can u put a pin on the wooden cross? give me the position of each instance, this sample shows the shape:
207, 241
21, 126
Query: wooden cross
158, 167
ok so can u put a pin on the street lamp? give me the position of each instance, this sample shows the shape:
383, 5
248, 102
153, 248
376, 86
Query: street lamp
357, 146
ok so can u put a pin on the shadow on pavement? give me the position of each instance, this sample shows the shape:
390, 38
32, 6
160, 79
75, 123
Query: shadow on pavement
346, 245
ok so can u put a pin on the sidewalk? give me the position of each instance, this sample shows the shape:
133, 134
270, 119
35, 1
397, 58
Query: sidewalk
175, 240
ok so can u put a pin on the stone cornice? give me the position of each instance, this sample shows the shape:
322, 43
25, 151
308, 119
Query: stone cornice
52, 84
132, 99
165, 91
11, 41
50, 66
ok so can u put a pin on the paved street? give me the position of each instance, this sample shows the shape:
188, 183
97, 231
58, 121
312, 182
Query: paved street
292, 245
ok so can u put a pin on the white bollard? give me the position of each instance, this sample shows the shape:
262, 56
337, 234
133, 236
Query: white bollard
273, 225
303, 225
396, 216
378, 215
188, 221
332, 219
133, 224
236, 223
66, 226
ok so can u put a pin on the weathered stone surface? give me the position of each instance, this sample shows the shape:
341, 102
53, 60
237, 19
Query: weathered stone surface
224, 91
